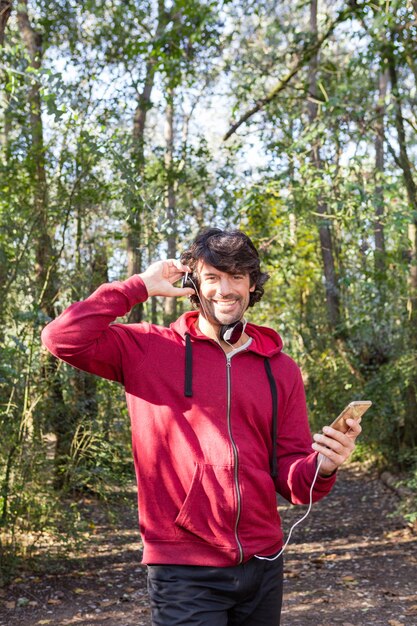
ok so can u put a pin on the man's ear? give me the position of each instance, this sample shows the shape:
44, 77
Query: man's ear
252, 289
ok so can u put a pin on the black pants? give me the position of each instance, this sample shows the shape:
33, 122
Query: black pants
245, 595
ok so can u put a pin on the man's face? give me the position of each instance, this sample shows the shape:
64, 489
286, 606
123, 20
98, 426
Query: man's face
225, 296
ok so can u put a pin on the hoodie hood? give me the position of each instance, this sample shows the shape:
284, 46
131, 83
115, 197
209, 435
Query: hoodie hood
265, 341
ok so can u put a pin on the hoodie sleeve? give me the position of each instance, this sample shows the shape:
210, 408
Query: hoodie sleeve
84, 335
297, 463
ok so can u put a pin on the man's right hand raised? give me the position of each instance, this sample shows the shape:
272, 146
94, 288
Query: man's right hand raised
159, 279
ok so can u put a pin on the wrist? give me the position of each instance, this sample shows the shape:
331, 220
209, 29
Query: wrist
148, 283
325, 472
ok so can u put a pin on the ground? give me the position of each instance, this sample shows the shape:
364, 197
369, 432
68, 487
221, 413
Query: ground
352, 562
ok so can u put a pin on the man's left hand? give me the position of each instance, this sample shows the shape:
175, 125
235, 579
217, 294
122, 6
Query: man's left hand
335, 447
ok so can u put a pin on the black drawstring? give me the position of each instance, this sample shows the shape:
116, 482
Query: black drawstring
188, 389
274, 395
188, 392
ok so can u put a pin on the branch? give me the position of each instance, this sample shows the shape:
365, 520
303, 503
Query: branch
309, 51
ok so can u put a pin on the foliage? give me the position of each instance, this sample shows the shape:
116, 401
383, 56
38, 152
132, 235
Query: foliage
74, 181
408, 506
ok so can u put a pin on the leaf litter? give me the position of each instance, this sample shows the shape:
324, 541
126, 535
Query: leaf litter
352, 563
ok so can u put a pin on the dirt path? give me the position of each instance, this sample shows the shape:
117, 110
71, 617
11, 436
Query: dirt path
351, 563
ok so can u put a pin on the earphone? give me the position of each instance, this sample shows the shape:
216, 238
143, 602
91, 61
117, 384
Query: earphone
229, 333
187, 282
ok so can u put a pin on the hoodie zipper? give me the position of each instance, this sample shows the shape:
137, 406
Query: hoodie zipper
235, 455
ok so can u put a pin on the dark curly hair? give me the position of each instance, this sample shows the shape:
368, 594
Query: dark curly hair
228, 251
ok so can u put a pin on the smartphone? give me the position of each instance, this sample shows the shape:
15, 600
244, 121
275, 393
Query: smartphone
354, 410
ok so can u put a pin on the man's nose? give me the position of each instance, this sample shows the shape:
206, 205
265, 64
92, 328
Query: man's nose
224, 286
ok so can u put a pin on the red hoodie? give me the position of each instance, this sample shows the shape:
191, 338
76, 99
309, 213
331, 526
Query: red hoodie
205, 492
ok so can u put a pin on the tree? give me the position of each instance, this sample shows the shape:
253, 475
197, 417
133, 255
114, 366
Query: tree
5, 11
144, 103
380, 258
325, 234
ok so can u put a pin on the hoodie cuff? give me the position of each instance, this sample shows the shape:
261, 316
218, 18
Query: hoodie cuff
134, 289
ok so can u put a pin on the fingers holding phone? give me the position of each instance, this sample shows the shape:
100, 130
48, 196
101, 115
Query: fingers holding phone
159, 279
337, 441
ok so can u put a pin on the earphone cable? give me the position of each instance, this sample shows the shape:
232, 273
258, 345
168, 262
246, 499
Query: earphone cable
273, 558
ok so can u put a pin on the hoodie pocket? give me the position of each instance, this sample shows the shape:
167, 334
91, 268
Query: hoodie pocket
210, 508
259, 499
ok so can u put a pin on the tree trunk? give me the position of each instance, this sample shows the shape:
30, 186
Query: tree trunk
411, 189
46, 277
170, 304
331, 279
380, 258
5, 10
325, 235
5, 263
135, 221
409, 429
84, 405
414, 4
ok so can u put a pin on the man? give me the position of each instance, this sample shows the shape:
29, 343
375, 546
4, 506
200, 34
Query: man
219, 425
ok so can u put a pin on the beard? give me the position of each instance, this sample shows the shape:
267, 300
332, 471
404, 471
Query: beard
223, 311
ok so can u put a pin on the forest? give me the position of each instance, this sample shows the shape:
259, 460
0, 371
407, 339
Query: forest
126, 127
